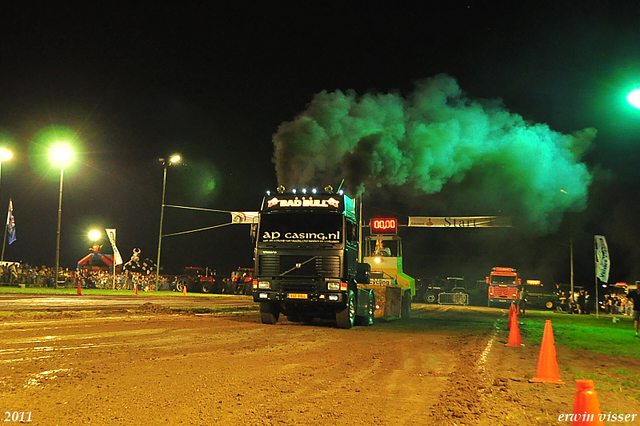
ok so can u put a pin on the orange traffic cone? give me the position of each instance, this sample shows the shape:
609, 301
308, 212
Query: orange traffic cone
511, 312
547, 371
586, 408
79, 287
136, 288
184, 290
514, 334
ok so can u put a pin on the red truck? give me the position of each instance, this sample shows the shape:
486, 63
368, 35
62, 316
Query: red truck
503, 284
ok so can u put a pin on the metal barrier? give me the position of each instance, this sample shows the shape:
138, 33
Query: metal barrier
453, 299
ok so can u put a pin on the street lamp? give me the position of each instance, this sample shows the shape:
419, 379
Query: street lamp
5, 155
174, 159
634, 98
61, 155
95, 235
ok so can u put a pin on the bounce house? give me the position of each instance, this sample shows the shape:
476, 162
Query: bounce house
95, 258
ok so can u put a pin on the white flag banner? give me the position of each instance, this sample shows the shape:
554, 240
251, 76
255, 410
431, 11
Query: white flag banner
461, 222
244, 217
111, 233
603, 264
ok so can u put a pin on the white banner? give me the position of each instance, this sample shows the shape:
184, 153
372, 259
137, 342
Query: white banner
244, 217
461, 222
603, 264
111, 233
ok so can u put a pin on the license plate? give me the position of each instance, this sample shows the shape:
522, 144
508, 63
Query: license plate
298, 296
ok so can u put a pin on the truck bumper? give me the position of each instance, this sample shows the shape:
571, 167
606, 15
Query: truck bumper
505, 302
298, 298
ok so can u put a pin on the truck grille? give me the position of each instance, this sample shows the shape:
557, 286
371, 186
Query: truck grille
506, 292
321, 266
299, 287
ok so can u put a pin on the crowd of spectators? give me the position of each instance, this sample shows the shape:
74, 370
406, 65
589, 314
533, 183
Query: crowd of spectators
42, 276
582, 303
617, 304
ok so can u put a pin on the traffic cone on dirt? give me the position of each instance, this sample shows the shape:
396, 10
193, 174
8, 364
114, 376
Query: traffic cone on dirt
586, 408
547, 371
514, 333
184, 290
79, 287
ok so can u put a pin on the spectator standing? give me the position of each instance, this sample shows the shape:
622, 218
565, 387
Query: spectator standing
581, 302
522, 300
635, 296
586, 302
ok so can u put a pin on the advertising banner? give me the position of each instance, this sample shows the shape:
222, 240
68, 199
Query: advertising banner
461, 222
111, 233
603, 264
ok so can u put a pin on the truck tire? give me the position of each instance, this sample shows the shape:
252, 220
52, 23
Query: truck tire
185, 282
207, 287
430, 297
550, 304
346, 317
371, 303
269, 313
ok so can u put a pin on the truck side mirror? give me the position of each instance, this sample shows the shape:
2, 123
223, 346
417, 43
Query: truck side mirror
254, 232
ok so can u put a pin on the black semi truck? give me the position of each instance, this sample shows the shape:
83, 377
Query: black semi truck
306, 260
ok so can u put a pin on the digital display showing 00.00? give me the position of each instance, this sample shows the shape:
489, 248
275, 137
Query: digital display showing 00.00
384, 226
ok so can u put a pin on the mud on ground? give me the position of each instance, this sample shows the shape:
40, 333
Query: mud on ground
445, 366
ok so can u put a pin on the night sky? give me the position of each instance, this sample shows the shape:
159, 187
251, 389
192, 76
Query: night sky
439, 108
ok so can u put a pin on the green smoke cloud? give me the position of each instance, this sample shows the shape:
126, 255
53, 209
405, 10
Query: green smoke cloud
434, 136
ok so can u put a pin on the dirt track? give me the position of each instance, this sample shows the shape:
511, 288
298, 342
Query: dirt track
151, 366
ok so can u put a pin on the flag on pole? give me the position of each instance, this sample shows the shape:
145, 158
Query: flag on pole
603, 264
11, 223
111, 233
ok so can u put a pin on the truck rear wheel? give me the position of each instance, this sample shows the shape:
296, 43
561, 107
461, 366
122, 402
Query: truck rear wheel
347, 316
549, 304
269, 313
207, 287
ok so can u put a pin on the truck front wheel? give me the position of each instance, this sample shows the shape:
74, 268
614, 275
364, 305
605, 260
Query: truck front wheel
269, 313
346, 317
371, 308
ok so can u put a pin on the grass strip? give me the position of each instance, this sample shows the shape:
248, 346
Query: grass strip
601, 335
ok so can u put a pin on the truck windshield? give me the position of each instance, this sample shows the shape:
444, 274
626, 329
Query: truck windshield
301, 228
498, 279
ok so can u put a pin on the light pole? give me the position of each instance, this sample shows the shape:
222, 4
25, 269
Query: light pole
5, 155
174, 159
61, 155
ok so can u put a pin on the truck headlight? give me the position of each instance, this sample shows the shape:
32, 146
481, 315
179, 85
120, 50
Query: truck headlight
265, 285
333, 285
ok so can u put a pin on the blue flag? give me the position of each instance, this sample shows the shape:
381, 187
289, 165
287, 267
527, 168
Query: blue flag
11, 224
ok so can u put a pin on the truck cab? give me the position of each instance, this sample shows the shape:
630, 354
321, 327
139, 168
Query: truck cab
502, 286
306, 260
